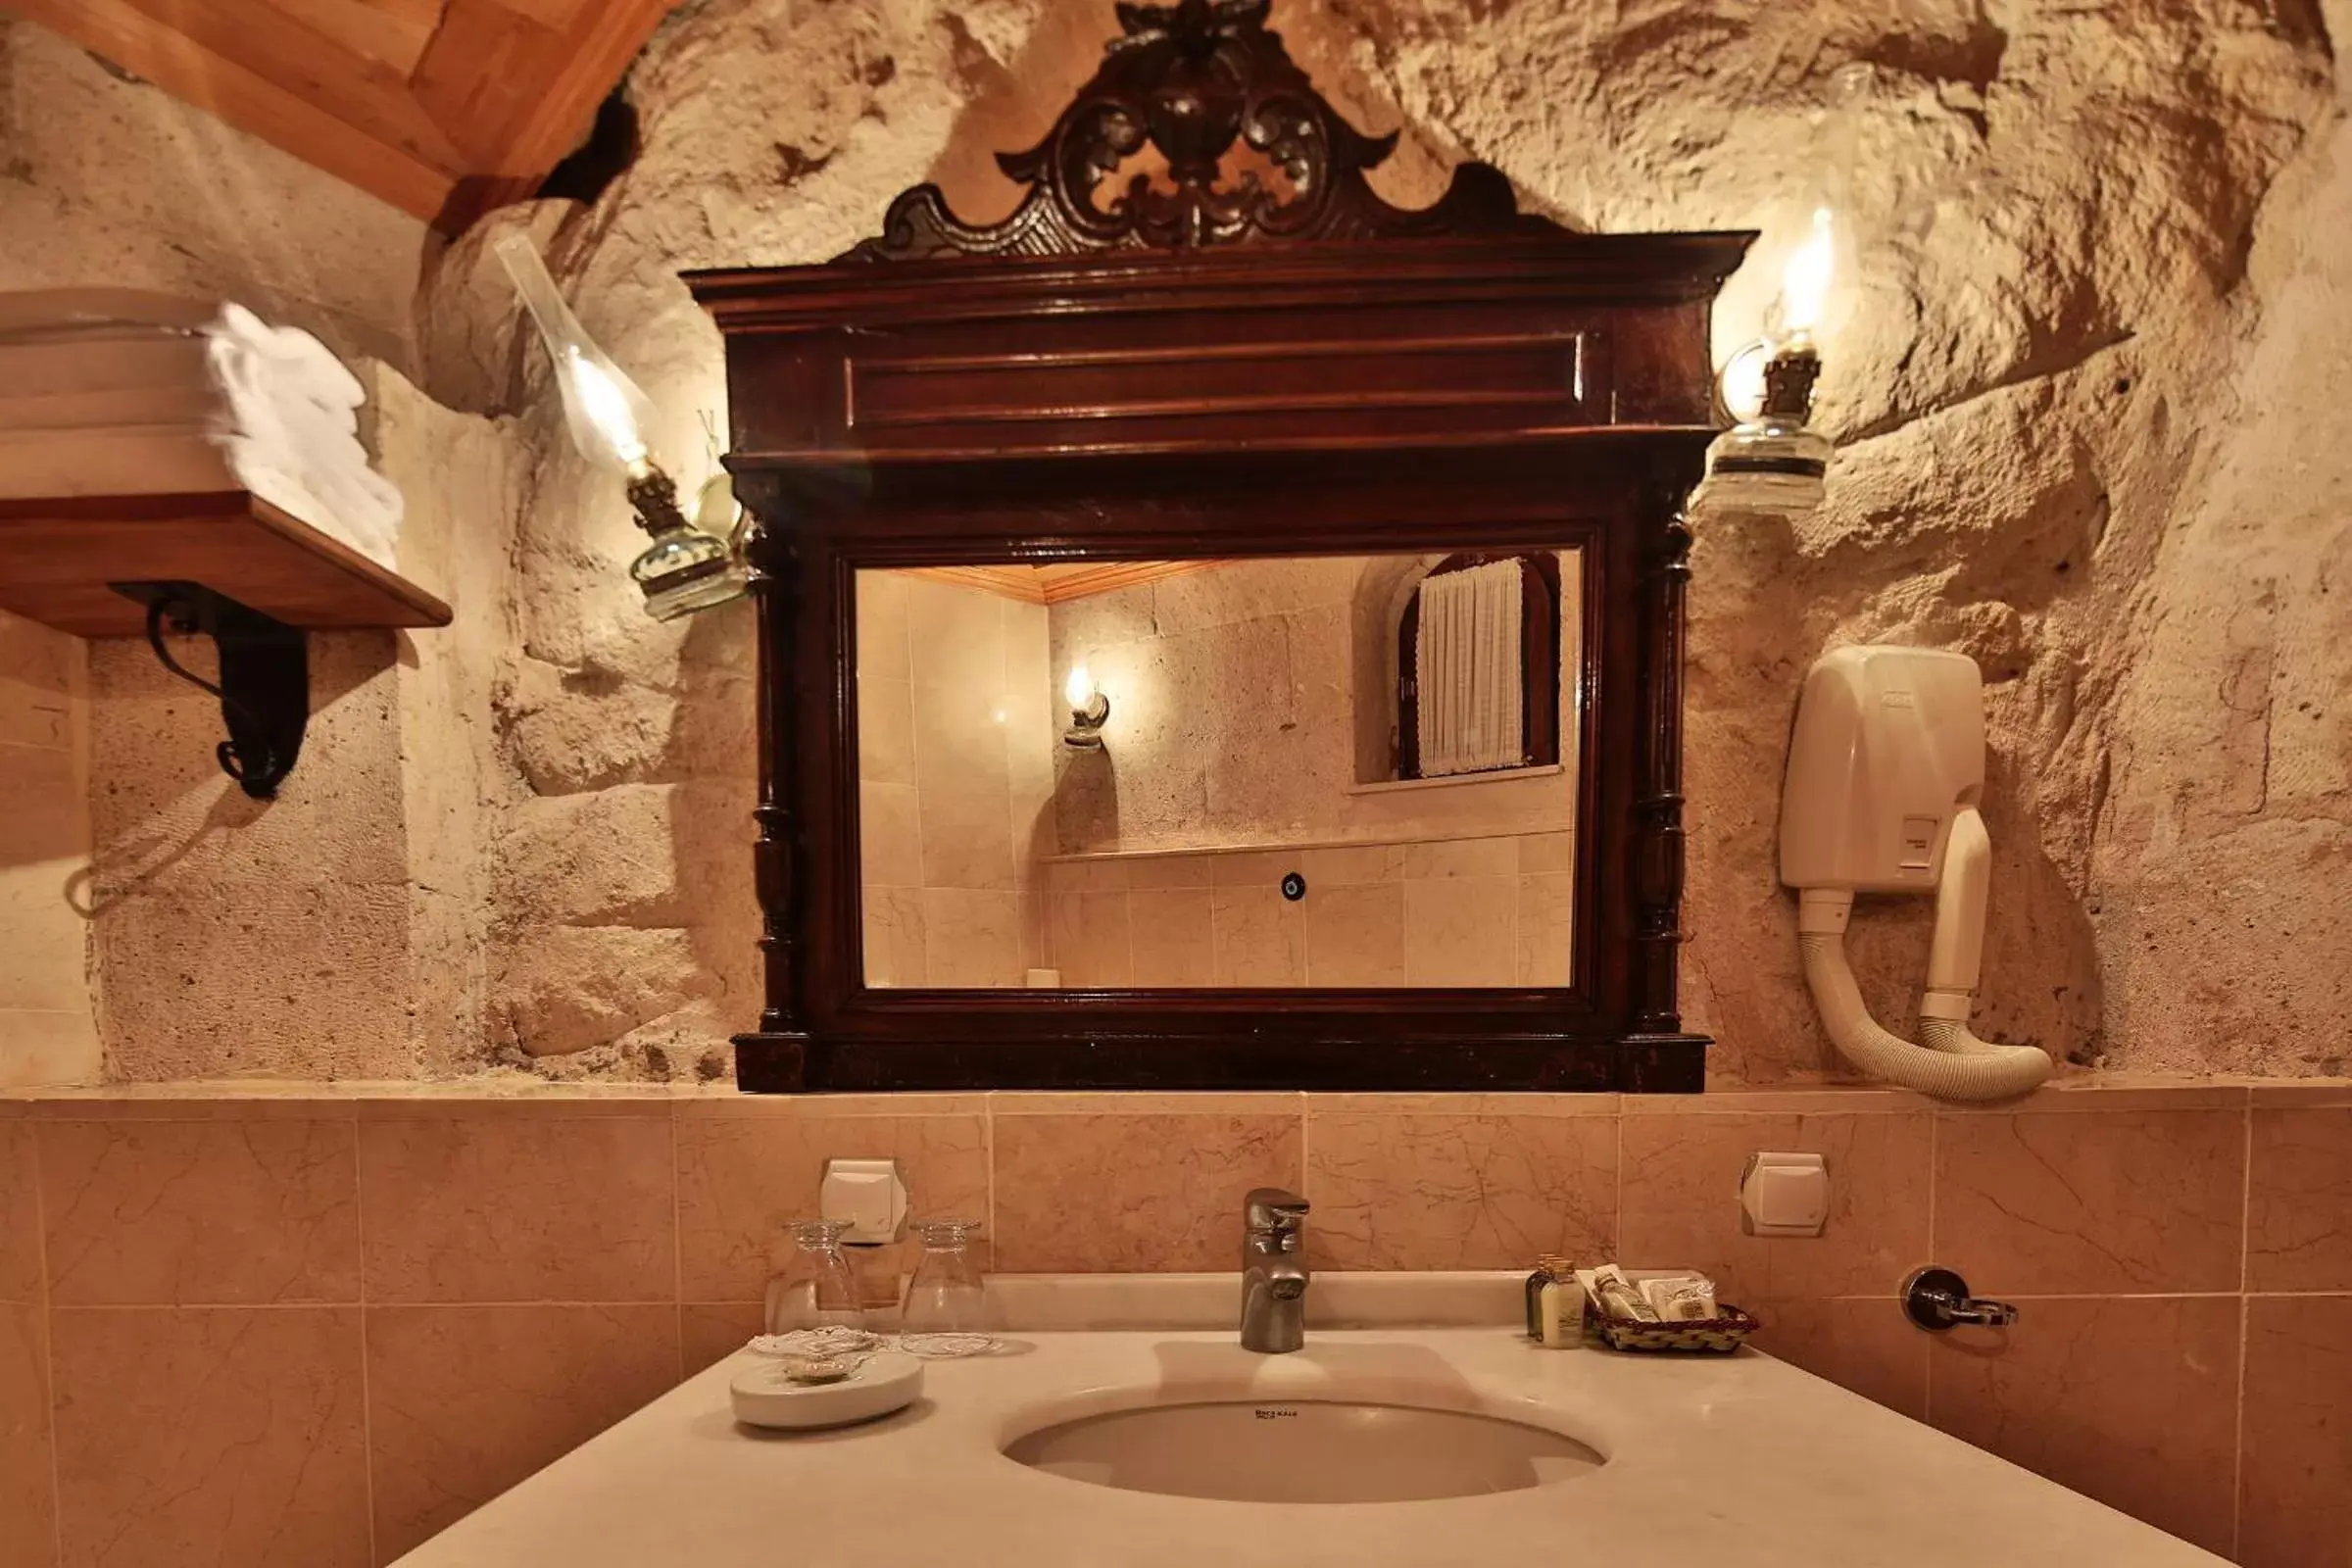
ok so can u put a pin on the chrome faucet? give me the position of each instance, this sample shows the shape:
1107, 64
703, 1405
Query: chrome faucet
1273, 1271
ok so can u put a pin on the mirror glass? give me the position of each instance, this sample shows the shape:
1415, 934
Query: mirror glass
1280, 771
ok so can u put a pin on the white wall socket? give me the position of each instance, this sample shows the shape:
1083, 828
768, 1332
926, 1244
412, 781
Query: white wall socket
866, 1196
1785, 1194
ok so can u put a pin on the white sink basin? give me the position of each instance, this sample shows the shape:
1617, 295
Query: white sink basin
1305, 1450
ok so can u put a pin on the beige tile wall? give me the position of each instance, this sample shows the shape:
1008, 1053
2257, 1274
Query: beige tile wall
47, 1033
956, 781
314, 1330
1473, 910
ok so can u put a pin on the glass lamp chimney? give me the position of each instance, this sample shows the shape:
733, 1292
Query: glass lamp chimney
685, 568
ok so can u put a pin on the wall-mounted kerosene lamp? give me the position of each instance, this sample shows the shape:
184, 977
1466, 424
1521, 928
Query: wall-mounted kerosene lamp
691, 564
1773, 461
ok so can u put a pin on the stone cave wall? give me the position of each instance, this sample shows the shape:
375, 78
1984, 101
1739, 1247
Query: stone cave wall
2087, 377
2050, 372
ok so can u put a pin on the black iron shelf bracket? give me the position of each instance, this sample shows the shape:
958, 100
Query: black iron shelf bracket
264, 686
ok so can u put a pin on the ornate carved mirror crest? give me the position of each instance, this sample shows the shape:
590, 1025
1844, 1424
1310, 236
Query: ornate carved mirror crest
1190, 83
1251, 459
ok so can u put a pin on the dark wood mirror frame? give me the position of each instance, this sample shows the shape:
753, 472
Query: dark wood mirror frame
1215, 364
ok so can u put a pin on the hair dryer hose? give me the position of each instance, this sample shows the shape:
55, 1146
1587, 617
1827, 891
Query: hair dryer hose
1960, 1066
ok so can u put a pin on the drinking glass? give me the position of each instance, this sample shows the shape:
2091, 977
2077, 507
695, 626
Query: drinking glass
816, 1289
945, 1296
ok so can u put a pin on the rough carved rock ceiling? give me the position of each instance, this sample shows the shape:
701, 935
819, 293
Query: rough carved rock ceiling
444, 108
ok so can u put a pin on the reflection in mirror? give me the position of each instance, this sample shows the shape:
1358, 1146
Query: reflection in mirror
1329, 771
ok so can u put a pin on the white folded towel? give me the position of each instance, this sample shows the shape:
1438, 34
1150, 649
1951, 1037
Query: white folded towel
290, 431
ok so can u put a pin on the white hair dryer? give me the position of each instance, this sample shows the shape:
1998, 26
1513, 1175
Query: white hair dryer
1885, 772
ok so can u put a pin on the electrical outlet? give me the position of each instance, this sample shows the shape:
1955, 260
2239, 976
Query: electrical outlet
866, 1196
1785, 1194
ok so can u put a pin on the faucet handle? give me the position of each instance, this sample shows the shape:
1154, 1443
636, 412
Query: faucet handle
1271, 1208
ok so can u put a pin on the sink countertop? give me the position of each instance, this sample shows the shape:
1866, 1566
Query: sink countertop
1711, 1460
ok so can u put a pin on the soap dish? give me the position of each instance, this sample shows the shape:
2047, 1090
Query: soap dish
765, 1394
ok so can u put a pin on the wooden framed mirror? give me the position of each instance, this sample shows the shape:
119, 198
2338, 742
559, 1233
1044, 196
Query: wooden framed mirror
1365, 525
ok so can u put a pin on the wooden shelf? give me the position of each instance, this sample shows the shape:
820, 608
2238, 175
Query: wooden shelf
58, 556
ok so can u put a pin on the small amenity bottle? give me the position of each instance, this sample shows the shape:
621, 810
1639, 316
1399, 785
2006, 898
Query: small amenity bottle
1555, 1304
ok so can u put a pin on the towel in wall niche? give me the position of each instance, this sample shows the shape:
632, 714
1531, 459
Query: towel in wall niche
1467, 673
291, 431
127, 392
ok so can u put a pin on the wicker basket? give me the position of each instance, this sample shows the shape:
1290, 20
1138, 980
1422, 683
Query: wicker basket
1720, 1335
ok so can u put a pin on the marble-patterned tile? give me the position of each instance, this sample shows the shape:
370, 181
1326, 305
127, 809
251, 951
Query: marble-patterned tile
1355, 935
2134, 1402
1153, 871
161, 1214
1172, 932
1473, 857
1256, 870
44, 684
1678, 1202
28, 1512
895, 939
728, 1104
1089, 936
2299, 1200
966, 825
708, 1332
1865, 1344
1827, 1100
2299, 1093
972, 937
1448, 1191
49, 1049
212, 1435
44, 835
1546, 854
2098, 1092
1344, 865
2295, 1467
1113, 1192
1260, 937
1462, 930
1146, 1102
882, 652
741, 1180
1547, 928
2067, 1203
890, 836
1465, 1102
465, 1402
518, 1209
1034, 910
957, 635
20, 1213
1106, 875
885, 730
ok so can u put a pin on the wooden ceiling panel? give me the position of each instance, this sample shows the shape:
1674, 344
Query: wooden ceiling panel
445, 107
244, 97
391, 33
369, 96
